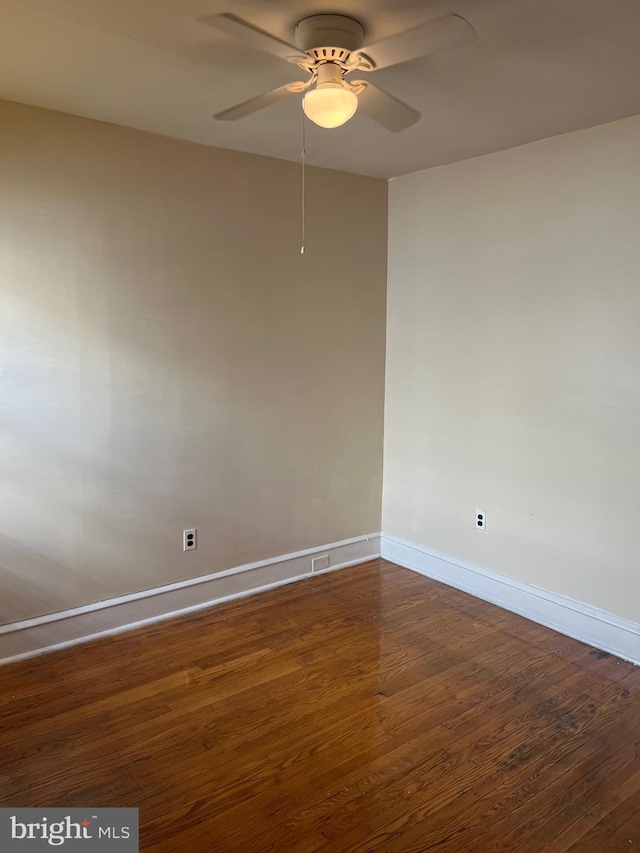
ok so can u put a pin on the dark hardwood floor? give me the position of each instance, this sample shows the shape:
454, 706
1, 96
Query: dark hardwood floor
366, 710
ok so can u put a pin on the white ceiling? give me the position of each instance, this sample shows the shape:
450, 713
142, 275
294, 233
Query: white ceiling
538, 69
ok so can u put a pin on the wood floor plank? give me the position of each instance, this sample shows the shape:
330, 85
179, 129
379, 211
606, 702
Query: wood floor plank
603, 804
617, 832
366, 709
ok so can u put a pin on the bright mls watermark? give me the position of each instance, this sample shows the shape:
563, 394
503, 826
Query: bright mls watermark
80, 830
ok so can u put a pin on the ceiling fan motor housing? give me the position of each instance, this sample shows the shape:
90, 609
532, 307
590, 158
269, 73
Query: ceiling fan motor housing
329, 37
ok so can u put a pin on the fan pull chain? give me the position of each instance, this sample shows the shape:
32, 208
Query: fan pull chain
304, 157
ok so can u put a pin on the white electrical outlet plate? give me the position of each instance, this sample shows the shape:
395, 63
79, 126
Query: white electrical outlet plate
189, 539
480, 519
319, 563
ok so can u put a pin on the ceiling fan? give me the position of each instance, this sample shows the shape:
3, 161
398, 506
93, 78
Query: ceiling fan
330, 47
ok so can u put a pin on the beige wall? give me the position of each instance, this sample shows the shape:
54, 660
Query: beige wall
170, 360
513, 371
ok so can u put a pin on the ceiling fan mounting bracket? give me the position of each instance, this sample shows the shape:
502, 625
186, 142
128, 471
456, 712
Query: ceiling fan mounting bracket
329, 32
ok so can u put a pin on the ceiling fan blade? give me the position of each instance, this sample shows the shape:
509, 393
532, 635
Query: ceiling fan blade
438, 34
253, 37
246, 108
382, 107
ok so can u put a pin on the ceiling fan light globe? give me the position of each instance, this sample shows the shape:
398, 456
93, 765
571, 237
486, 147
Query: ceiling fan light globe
329, 105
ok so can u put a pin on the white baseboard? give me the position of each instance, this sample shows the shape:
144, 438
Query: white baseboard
588, 624
30, 637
